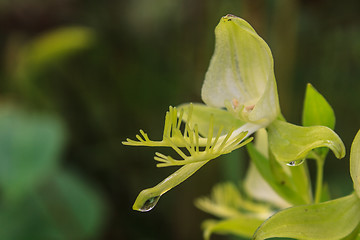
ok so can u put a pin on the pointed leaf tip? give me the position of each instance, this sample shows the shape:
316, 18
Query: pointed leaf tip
317, 111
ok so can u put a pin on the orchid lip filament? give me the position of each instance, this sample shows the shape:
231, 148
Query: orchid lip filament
198, 148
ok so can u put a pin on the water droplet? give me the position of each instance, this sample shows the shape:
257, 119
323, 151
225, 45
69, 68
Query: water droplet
149, 204
295, 163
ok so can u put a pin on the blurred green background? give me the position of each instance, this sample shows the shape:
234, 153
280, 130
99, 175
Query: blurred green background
78, 77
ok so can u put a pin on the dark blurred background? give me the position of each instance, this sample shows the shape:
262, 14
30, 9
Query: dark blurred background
78, 77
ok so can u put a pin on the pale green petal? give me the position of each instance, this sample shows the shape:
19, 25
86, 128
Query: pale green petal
330, 220
226, 201
355, 163
244, 226
254, 184
256, 187
241, 72
201, 115
291, 143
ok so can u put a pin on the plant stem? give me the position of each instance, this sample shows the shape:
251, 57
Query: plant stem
319, 178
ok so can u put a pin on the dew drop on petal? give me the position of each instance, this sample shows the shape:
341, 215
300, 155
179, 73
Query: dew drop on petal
295, 163
149, 204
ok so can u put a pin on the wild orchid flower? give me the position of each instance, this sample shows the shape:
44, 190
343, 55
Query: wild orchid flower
240, 79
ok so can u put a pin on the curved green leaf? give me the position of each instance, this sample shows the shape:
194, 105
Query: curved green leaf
290, 143
355, 163
241, 72
330, 220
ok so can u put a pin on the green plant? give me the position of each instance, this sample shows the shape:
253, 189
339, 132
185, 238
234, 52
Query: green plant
241, 99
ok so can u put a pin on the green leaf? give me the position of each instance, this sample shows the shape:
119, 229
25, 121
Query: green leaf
354, 235
244, 226
29, 149
330, 220
291, 143
355, 163
201, 115
317, 111
301, 180
241, 75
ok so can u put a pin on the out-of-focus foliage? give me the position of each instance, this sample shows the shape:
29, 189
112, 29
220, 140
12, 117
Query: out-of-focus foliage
41, 200
142, 56
50, 48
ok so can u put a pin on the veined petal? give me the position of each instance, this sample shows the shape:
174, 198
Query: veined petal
241, 73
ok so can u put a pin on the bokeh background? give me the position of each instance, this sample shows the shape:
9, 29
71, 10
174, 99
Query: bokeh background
78, 77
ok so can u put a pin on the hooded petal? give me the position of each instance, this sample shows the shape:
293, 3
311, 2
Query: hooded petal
241, 73
291, 143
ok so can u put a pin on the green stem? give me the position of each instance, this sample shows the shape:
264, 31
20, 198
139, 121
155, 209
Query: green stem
319, 178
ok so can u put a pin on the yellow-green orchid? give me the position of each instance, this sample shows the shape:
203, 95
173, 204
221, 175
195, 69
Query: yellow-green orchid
241, 78
240, 98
